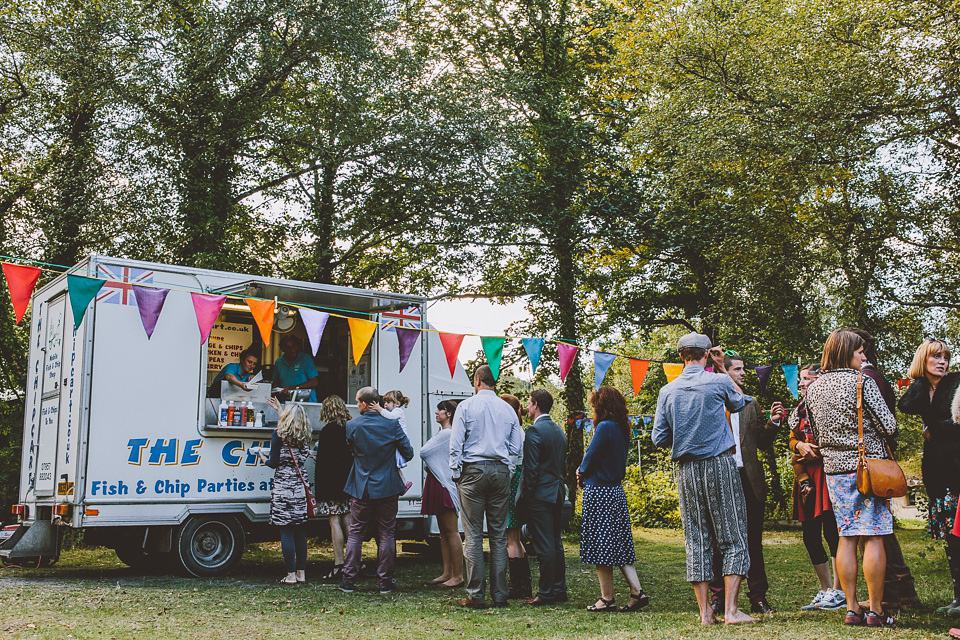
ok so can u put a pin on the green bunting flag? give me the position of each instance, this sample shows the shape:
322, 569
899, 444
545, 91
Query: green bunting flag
81, 290
493, 349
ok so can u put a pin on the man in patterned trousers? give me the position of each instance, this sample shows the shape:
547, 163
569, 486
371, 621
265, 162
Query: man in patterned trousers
691, 420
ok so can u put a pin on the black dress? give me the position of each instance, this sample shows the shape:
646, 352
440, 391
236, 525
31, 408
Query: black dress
334, 461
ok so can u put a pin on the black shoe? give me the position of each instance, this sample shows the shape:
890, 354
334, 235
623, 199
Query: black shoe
561, 597
500, 605
761, 606
347, 587
390, 587
718, 606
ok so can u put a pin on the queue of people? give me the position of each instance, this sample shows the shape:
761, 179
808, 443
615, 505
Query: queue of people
482, 469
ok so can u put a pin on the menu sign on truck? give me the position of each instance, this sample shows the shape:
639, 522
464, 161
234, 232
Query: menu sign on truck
227, 340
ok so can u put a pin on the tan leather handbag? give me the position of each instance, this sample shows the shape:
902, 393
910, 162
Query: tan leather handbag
878, 478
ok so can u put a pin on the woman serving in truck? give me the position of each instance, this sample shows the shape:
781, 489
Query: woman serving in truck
236, 373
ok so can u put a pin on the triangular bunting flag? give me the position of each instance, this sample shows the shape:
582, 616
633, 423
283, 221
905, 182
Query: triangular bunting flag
493, 349
708, 369
314, 322
20, 280
903, 382
533, 347
672, 370
601, 364
638, 371
793, 381
81, 291
263, 311
451, 348
149, 303
207, 308
407, 339
361, 332
763, 372
567, 353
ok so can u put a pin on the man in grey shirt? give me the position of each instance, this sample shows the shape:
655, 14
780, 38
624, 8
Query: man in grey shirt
485, 434
690, 419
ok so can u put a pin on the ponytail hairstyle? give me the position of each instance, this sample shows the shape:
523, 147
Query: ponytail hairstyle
396, 396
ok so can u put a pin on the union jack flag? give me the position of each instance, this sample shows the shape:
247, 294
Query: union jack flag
118, 288
408, 318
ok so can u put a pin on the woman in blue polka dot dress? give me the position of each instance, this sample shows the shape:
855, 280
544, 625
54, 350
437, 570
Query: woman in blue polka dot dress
606, 538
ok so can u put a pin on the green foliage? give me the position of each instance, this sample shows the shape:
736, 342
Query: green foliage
652, 497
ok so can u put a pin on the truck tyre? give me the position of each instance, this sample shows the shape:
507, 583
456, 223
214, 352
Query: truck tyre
210, 545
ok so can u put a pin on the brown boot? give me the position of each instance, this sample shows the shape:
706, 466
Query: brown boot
519, 584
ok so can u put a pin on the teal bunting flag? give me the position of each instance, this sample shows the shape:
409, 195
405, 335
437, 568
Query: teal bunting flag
793, 381
601, 364
81, 290
493, 349
533, 347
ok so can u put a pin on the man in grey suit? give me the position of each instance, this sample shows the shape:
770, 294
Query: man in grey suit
541, 497
375, 487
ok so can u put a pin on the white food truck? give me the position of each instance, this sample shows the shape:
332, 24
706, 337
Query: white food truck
122, 441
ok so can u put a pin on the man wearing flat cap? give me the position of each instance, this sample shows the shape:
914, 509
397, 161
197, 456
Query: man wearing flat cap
691, 419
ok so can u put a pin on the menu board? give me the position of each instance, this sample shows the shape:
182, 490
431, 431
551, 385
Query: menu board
227, 340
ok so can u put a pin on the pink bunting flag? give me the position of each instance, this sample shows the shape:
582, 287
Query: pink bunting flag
567, 353
314, 322
407, 339
207, 308
149, 303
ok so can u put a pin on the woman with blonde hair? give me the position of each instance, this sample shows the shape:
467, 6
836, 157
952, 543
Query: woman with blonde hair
289, 449
929, 396
832, 402
334, 460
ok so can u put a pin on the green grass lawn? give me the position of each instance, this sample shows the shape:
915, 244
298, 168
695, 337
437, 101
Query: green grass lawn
90, 594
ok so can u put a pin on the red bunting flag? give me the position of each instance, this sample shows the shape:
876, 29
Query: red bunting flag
638, 371
451, 348
20, 280
903, 382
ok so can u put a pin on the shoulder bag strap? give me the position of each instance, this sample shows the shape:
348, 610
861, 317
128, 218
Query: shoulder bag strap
297, 466
861, 450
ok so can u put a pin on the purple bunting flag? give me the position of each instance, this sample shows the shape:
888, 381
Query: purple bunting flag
314, 322
763, 372
407, 339
149, 302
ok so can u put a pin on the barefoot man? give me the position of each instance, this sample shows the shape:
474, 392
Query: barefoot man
692, 420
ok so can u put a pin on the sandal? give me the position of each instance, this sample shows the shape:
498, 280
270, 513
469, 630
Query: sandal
608, 605
334, 575
636, 602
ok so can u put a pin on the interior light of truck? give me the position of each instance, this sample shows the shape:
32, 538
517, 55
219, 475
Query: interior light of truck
19, 510
92, 512
62, 509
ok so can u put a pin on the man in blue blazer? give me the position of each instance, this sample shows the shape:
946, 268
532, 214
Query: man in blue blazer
541, 496
375, 487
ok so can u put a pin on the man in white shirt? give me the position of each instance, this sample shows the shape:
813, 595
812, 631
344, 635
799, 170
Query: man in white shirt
485, 433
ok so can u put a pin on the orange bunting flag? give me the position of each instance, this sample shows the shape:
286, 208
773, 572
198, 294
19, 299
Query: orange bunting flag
263, 311
361, 333
20, 280
672, 370
451, 348
638, 371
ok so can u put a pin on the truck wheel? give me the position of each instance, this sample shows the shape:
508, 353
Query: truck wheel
210, 545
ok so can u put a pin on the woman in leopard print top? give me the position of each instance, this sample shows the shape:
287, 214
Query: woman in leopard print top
832, 409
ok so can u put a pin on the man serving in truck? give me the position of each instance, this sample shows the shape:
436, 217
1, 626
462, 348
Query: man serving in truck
295, 370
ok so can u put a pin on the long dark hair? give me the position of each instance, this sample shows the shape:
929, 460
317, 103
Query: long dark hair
609, 404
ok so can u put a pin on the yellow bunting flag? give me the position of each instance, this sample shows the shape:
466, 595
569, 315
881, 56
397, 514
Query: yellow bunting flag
672, 370
361, 332
262, 311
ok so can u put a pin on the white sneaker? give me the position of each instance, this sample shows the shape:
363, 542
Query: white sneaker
834, 599
815, 603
